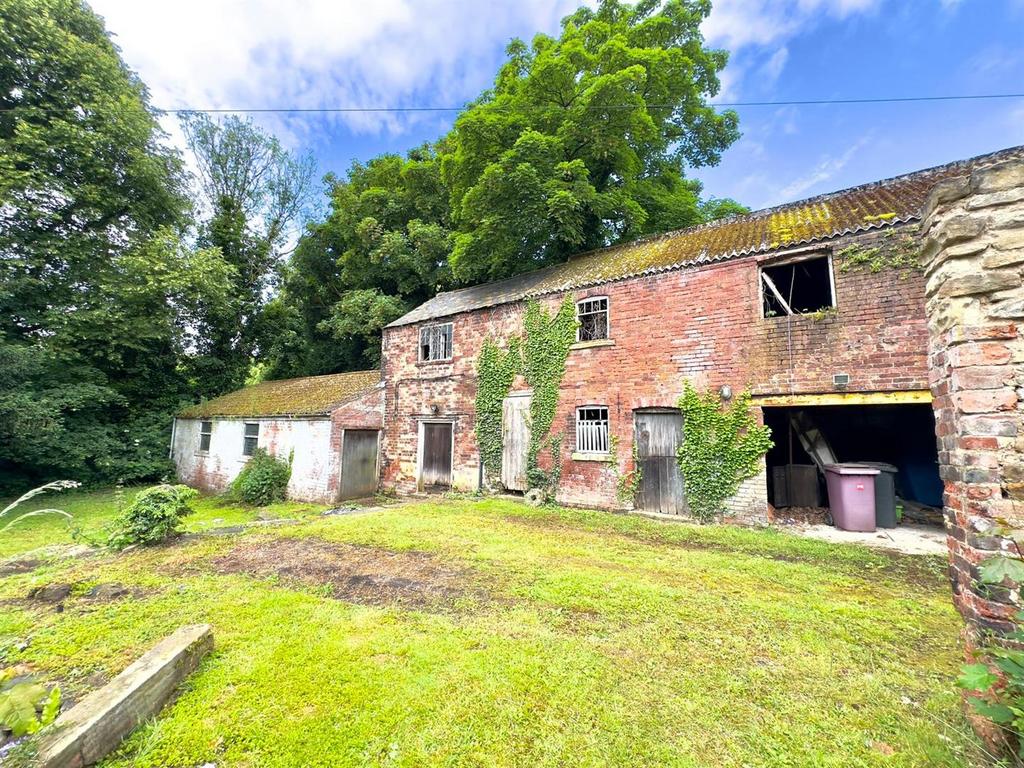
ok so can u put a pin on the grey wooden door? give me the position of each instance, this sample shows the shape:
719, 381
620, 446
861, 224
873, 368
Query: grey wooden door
658, 435
437, 456
515, 441
358, 463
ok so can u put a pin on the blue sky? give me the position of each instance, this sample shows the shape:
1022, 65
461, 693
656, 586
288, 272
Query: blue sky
322, 53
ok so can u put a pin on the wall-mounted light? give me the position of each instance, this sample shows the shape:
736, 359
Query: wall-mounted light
434, 410
725, 392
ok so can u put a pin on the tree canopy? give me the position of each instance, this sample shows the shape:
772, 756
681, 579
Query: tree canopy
128, 288
382, 249
583, 139
582, 142
98, 292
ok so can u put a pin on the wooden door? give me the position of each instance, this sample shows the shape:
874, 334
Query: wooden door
515, 441
437, 456
358, 464
658, 435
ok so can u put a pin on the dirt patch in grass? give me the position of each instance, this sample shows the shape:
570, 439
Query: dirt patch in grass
15, 567
363, 575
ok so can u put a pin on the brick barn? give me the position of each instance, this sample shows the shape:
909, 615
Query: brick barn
816, 307
328, 425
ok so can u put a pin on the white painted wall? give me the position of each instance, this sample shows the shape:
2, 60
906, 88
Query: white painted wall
313, 461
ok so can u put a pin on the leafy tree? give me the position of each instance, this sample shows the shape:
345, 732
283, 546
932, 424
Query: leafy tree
583, 139
382, 249
98, 294
256, 192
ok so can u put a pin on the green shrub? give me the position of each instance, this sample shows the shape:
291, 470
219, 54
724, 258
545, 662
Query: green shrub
996, 681
153, 516
25, 705
263, 481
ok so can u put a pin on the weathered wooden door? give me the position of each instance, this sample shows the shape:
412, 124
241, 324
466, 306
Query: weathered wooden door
658, 435
358, 464
437, 456
515, 441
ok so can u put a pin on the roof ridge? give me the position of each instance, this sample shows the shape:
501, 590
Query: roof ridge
300, 378
762, 212
879, 204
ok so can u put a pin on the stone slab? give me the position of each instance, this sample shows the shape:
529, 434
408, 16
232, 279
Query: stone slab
95, 726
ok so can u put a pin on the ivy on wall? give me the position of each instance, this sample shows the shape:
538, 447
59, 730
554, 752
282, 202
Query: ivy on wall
899, 250
545, 350
540, 355
627, 484
496, 370
722, 447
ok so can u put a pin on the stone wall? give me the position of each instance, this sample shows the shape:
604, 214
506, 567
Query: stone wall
973, 251
704, 324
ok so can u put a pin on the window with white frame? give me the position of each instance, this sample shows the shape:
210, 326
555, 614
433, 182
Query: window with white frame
592, 314
205, 433
436, 342
251, 438
592, 429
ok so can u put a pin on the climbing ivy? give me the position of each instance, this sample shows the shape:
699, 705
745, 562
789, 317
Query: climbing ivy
545, 350
721, 448
627, 484
540, 355
496, 369
899, 250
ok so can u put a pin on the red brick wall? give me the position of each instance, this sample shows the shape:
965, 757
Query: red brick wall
365, 412
703, 324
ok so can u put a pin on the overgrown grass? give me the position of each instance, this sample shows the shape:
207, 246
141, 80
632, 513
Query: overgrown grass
92, 510
602, 640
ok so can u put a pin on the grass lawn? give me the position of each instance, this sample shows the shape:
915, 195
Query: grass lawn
469, 632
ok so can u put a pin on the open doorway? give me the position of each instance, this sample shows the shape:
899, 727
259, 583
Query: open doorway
900, 435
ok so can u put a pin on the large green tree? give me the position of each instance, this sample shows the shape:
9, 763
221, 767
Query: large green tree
98, 294
382, 249
583, 139
256, 194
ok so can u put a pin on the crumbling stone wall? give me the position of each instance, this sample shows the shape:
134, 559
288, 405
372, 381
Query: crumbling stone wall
973, 253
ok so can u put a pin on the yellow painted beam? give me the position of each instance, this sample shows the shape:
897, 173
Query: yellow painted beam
847, 398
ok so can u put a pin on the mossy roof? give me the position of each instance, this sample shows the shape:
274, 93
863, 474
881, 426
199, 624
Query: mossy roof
898, 200
308, 396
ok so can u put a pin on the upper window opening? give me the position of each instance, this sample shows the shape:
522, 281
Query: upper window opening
592, 429
797, 287
592, 315
436, 342
205, 432
251, 438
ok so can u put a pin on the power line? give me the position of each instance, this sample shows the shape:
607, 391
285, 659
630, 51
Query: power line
783, 103
789, 103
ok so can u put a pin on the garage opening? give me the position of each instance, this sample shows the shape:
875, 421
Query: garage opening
901, 436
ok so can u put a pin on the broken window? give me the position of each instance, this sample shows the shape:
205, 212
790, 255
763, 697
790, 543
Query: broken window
436, 342
251, 438
592, 315
205, 432
592, 429
797, 287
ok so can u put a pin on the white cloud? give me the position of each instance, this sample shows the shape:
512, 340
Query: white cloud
735, 24
826, 168
772, 68
319, 53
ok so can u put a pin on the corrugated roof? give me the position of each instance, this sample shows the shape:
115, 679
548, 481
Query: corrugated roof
879, 204
308, 396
